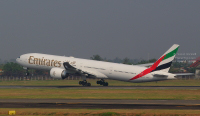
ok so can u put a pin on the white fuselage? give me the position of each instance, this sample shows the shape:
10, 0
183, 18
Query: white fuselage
114, 71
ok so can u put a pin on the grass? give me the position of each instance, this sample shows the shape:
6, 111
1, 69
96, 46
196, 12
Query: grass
65, 93
93, 82
99, 94
98, 112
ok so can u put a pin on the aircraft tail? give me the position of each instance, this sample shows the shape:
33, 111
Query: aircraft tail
162, 64
165, 61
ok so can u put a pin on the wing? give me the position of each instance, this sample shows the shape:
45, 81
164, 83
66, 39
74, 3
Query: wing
184, 74
84, 72
145, 65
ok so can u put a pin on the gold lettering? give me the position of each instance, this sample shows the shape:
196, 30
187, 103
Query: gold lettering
48, 62
52, 62
42, 62
59, 63
29, 60
39, 61
45, 61
35, 60
55, 63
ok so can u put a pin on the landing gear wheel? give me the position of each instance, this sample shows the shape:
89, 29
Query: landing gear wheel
80, 82
98, 82
27, 74
84, 83
105, 84
88, 84
102, 82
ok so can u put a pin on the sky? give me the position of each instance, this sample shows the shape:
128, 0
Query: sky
110, 28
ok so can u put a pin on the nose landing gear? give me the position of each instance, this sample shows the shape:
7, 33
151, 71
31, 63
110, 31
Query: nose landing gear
27, 73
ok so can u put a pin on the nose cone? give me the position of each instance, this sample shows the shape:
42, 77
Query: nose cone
18, 60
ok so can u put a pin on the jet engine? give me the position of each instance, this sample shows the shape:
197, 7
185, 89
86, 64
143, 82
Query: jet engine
59, 73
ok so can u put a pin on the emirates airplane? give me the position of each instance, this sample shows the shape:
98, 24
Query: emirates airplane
61, 67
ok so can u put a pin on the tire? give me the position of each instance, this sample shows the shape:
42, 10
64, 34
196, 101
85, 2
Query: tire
98, 82
88, 84
80, 82
105, 84
101, 83
27, 73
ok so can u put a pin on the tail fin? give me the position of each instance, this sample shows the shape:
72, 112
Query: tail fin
162, 64
166, 59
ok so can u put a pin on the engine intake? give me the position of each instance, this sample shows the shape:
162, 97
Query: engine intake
58, 73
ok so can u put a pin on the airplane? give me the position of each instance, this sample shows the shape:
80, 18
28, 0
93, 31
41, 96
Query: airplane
61, 67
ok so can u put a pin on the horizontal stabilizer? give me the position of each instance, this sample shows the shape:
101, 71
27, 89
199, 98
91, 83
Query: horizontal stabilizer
184, 74
159, 75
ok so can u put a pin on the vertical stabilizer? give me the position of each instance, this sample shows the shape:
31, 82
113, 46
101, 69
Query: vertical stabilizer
162, 64
167, 58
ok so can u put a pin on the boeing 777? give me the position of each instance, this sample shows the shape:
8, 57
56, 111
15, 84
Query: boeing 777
61, 67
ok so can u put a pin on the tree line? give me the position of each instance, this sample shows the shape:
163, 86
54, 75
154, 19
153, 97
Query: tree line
15, 70
123, 61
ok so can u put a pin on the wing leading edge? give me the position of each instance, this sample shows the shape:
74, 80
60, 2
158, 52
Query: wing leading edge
84, 72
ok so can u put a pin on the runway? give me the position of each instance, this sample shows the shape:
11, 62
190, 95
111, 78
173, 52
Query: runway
100, 104
107, 87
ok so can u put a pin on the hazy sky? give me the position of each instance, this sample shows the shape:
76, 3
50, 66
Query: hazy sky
110, 28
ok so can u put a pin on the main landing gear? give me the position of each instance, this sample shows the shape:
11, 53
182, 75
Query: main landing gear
84, 83
102, 82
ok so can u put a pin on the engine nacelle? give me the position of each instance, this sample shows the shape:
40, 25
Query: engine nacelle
58, 73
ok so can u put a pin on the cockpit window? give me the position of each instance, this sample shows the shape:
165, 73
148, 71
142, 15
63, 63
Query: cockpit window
19, 57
